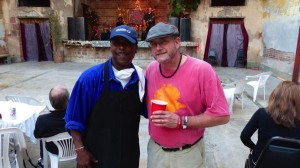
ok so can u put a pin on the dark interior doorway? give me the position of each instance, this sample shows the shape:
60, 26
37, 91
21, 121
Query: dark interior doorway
227, 38
34, 3
36, 39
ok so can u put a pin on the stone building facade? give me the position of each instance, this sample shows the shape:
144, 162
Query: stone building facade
272, 25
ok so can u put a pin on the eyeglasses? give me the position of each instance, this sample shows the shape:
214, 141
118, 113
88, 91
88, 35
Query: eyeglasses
161, 42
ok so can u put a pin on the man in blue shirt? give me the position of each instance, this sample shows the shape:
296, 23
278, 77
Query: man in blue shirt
104, 110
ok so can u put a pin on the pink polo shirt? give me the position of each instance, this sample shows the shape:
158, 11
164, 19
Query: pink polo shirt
194, 89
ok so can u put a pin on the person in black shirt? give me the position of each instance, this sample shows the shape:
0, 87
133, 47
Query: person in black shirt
120, 21
280, 118
149, 19
52, 123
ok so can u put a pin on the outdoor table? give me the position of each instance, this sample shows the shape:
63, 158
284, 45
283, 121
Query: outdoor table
26, 116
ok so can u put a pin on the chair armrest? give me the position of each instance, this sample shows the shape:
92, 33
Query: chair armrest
252, 77
228, 85
258, 75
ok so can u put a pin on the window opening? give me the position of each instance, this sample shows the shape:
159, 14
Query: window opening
228, 2
34, 3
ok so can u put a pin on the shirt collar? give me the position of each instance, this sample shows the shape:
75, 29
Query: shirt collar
134, 78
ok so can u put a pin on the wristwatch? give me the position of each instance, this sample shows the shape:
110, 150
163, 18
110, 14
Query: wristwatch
185, 122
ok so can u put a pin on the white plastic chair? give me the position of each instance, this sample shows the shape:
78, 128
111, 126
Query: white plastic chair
27, 100
5, 134
258, 81
65, 146
239, 89
23, 99
212, 57
229, 94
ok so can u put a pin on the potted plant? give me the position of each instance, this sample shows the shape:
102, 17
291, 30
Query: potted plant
179, 15
56, 33
179, 7
93, 22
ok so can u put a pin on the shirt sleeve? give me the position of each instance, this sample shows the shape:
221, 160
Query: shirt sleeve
249, 130
38, 130
144, 107
77, 111
213, 94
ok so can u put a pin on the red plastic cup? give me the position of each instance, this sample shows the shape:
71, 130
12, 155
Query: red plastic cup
158, 105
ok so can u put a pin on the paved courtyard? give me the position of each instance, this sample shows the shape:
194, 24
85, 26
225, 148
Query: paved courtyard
223, 146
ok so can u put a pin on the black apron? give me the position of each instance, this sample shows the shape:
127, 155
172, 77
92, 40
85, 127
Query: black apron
112, 127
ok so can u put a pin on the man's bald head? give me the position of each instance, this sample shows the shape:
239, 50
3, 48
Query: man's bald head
59, 97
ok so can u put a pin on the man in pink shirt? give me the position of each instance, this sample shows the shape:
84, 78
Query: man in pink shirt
195, 101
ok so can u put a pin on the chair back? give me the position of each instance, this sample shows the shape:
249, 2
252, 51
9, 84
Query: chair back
23, 99
229, 95
258, 81
212, 53
212, 57
280, 152
240, 58
239, 87
18, 137
240, 55
255, 77
263, 80
64, 144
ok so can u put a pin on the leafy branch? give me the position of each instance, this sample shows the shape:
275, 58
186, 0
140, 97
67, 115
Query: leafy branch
179, 6
55, 28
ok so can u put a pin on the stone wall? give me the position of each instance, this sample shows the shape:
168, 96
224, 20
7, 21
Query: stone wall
3, 48
280, 29
279, 55
272, 25
11, 21
99, 51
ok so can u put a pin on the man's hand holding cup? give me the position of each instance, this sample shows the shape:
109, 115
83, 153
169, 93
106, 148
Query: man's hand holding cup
158, 105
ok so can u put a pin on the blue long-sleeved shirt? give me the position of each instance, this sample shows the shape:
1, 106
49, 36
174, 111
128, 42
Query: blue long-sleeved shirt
87, 91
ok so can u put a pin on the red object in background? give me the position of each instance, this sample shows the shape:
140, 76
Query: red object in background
135, 17
96, 32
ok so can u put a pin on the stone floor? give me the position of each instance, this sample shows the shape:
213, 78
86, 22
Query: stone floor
223, 146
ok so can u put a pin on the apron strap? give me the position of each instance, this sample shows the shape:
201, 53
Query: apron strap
106, 76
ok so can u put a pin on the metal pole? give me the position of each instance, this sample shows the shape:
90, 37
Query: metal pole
297, 62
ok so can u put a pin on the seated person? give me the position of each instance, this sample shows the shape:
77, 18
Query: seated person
120, 21
280, 118
52, 123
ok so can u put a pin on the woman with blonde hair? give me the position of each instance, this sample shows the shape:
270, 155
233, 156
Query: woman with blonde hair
280, 118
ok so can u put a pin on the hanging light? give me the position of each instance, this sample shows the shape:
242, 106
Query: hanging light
137, 5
